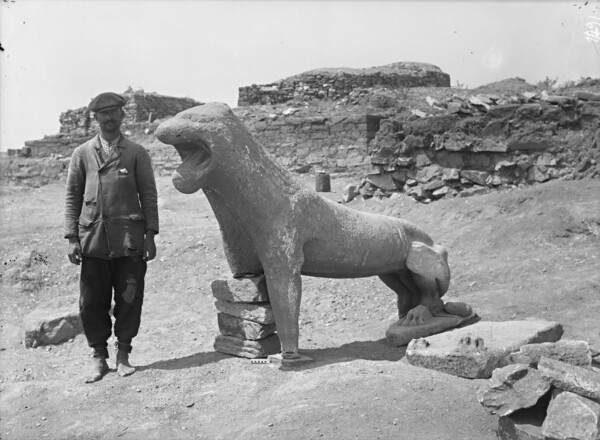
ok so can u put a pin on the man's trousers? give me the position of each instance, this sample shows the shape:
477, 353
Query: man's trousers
99, 279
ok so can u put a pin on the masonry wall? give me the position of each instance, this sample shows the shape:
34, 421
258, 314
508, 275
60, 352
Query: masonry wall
338, 85
430, 157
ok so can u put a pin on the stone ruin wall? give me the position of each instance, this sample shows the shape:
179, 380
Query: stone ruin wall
338, 84
78, 125
431, 157
459, 147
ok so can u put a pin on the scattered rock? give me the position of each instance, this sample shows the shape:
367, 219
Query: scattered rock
53, 322
571, 417
579, 380
512, 388
478, 177
383, 181
573, 352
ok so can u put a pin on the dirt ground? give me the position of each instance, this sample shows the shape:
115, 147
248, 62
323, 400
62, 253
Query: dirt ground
516, 254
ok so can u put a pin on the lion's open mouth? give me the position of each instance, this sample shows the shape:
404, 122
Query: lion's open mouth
195, 156
195, 159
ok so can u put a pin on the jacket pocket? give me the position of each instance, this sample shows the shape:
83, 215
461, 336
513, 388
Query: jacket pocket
127, 234
91, 237
90, 208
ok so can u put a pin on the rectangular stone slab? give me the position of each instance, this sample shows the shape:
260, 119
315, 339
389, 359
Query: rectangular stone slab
260, 313
475, 351
242, 328
247, 349
251, 290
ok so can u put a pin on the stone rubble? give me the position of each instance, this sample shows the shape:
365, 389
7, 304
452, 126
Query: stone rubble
570, 410
245, 318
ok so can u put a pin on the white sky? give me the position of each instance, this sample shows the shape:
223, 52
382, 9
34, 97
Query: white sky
59, 54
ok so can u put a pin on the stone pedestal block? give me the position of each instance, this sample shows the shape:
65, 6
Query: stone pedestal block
250, 290
260, 313
247, 349
245, 318
242, 328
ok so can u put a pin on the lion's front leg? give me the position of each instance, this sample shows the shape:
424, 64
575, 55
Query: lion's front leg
284, 284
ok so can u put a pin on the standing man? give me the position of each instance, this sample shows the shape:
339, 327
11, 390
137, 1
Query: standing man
111, 217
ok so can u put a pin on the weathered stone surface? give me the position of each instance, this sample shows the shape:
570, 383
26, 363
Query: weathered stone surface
475, 351
53, 322
579, 380
571, 417
512, 388
243, 328
247, 349
573, 352
248, 290
399, 335
260, 313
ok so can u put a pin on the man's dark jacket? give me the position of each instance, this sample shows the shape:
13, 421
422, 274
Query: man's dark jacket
110, 205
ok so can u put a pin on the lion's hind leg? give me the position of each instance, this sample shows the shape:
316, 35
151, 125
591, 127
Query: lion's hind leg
430, 264
402, 283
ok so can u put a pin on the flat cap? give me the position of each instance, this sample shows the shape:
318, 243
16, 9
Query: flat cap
106, 100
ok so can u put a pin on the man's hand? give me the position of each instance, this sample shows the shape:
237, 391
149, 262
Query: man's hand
149, 246
74, 251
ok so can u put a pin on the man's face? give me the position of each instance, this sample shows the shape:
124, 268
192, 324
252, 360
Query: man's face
110, 119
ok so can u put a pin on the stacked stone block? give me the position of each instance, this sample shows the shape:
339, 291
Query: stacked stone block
245, 318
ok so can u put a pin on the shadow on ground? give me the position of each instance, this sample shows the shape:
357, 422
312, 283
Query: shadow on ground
378, 350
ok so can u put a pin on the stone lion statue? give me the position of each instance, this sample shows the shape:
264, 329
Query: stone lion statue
273, 225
